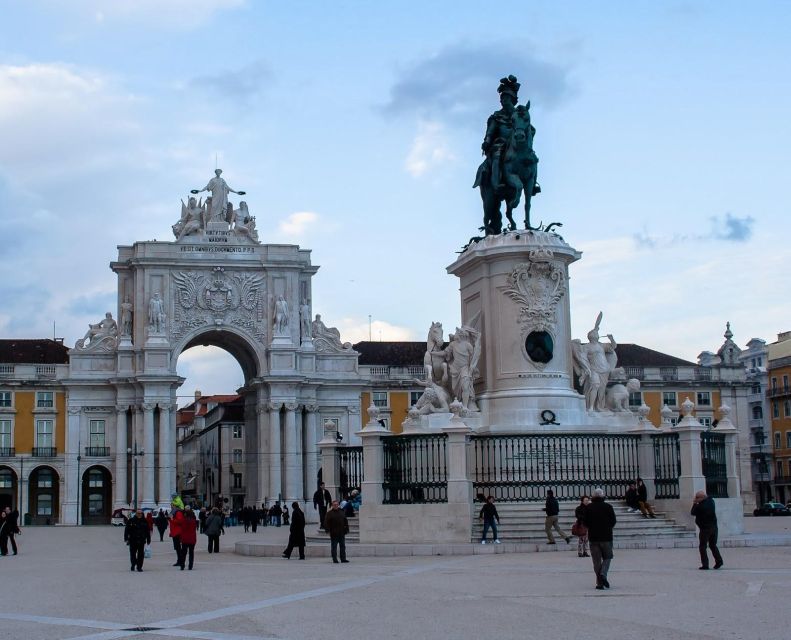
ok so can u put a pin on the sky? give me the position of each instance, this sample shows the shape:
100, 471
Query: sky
355, 129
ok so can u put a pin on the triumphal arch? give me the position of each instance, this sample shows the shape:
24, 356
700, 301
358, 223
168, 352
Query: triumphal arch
216, 284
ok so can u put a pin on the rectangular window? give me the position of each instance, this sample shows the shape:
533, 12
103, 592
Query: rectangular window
96, 433
704, 398
669, 398
414, 396
787, 408
775, 409
44, 433
6, 434
237, 480
777, 439
237, 431
379, 398
635, 398
5, 398
756, 388
788, 439
774, 383
785, 382
45, 399
44, 504
237, 455
705, 421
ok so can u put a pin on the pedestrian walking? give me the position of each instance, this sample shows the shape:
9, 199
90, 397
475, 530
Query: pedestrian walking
599, 518
161, 523
706, 518
189, 537
202, 519
296, 534
137, 535
255, 515
176, 518
579, 529
321, 500
4, 532
150, 521
336, 524
214, 529
285, 514
552, 509
642, 500
489, 514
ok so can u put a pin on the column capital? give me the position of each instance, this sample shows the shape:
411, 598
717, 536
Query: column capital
121, 408
274, 406
292, 406
354, 409
311, 408
149, 406
73, 411
262, 408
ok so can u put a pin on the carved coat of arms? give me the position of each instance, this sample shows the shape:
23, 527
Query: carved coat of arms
537, 286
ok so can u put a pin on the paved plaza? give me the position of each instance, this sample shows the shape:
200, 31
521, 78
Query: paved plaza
75, 583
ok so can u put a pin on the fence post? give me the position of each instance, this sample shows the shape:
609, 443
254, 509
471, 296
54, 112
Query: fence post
729, 430
330, 465
373, 458
692, 479
645, 451
459, 483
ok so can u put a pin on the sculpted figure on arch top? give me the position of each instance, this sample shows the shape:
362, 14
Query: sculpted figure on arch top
219, 195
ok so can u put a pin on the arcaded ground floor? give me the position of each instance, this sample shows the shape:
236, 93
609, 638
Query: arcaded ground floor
75, 583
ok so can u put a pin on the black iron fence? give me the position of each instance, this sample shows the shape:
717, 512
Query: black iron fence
715, 468
520, 468
415, 469
350, 462
667, 465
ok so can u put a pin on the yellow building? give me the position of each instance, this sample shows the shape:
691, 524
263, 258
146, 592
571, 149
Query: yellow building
32, 427
779, 396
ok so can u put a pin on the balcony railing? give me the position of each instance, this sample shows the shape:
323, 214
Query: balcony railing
702, 373
44, 452
97, 452
774, 392
45, 370
6, 370
668, 374
7, 452
634, 372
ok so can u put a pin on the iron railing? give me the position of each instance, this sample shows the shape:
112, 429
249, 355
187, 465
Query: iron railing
520, 468
97, 452
7, 452
415, 469
351, 469
44, 452
712, 449
667, 465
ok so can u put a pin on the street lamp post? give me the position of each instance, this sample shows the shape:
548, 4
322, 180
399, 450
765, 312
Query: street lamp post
135, 454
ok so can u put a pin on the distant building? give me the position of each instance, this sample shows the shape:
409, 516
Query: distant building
779, 396
33, 431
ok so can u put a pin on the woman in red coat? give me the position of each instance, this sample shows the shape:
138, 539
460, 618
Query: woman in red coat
189, 536
150, 521
176, 520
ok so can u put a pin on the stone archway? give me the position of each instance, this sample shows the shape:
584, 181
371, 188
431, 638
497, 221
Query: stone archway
8, 488
97, 492
43, 495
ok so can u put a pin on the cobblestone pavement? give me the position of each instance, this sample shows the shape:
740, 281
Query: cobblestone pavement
75, 583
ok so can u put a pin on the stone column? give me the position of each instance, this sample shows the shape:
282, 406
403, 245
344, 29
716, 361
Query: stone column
731, 433
311, 453
121, 458
645, 452
162, 449
71, 472
148, 460
261, 458
273, 456
459, 484
373, 458
137, 424
330, 465
692, 479
293, 490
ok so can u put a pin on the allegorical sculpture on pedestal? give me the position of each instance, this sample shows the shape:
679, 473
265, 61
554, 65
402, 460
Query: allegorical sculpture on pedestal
216, 213
511, 166
450, 371
593, 363
327, 339
102, 335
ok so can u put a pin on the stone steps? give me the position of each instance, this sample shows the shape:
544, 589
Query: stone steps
314, 534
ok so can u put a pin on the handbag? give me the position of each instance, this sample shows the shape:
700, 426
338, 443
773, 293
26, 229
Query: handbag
147, 551
578, 529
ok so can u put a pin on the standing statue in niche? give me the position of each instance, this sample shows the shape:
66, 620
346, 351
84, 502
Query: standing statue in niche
126, 317
304, 319
281, 317
593, 363
219, 196
156, 313
511, 165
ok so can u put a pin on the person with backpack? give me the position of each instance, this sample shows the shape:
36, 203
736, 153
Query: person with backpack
213, 529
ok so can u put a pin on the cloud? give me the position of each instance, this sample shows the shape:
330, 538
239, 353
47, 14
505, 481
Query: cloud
239, 86
459, 83
95, 304
728, 228
157, 14
355, 330
210, 370
298, 223
429, 149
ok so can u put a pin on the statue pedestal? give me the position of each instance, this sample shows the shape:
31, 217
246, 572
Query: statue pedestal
514, 290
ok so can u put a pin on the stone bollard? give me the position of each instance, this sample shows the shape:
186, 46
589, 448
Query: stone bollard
726, 427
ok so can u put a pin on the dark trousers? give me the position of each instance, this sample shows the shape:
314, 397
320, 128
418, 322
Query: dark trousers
214, 544
4, 544
11, 537
322, 513
161, 534
255, 526
708, 538
301, 548
187, 550
601, 555
340, 541
136, 554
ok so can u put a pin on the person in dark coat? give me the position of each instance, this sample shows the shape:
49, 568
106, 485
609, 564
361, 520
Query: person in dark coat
336, 524
213, 529
189, 537
489, 514
632, 499
552, 509
642, 497
285, 514
137, 535
599, 518
296, 534
161, 522
321, 500
706, 518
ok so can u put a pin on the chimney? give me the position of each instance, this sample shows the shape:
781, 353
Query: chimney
197, 395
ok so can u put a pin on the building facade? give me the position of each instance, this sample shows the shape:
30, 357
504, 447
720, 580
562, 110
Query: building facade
779, 397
